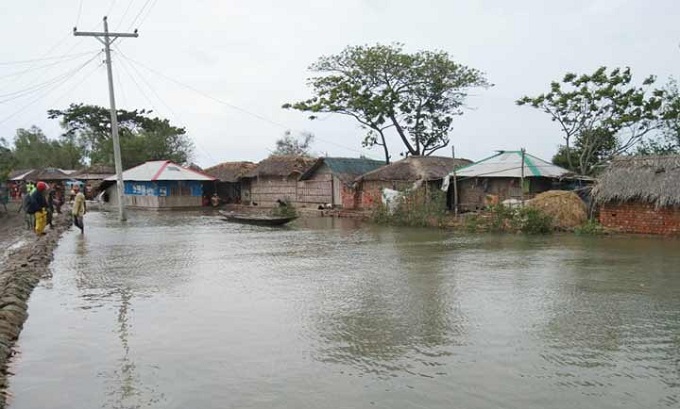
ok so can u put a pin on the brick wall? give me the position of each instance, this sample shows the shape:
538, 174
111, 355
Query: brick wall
633, 217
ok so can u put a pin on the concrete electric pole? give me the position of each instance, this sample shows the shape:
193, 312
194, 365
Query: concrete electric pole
107, 39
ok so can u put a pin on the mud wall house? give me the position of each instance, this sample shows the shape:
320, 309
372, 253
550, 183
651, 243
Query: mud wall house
274, 178
641, 195
228, 177
159, 185
426, 172
331, 181
498, 178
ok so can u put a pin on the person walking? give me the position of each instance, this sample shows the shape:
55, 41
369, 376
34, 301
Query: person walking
37, 205
79, 209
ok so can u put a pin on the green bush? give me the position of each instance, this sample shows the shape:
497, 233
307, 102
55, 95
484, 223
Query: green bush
415, 208
532, 221
591, 227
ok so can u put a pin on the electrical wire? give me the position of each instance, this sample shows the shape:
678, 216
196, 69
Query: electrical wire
59, 57
31, 89
148, 12
153, 91
80, 10
52, 89
138, 14
230, 105
52, 64
127, 9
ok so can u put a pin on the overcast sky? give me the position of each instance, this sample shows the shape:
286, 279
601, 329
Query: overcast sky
223, 68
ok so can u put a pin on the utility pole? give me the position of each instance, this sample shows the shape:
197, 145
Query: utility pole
107, 39
455, 182
522, 176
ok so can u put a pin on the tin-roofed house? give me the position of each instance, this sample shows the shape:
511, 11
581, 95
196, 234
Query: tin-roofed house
641, 195
412, 172
331, 181
228, 184
159, 185
274, 178
498, 178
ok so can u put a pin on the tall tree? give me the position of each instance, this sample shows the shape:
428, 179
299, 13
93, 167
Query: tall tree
142, 138
290, 145
386, 89
668, 140
7, 159
32, 149
593, 109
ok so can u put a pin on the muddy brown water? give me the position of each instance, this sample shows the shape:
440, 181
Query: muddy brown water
186, 311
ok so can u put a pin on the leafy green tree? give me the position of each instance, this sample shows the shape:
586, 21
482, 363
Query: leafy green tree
593, 109
290, 145
386, 89
668, 141
142, 138
7, 159
32, 149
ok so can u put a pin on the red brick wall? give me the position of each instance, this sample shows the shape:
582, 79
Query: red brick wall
632, 217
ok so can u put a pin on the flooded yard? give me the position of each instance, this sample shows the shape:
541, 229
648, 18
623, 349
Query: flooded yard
182, 310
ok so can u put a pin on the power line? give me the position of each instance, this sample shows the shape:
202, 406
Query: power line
80, 10
37, 87
232, 106
127, 9
54, 87
148, 12
59, 57
52, 64
113, 3
138, 14
153, 91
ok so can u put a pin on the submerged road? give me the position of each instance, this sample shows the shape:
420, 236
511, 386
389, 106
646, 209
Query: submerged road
181, 310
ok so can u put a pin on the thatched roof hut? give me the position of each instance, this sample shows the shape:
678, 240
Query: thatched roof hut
230, 171
415, 168
345, 169
94, 172
283, 166
647, 179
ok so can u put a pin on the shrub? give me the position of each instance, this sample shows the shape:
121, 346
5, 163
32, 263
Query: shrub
590, 227
416, 208
285, 210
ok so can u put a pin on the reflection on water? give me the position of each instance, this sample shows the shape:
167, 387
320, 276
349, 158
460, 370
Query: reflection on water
176, 310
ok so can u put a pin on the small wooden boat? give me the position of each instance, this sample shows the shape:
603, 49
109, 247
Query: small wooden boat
256, 219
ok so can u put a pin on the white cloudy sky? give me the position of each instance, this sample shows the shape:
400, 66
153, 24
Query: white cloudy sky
252, 55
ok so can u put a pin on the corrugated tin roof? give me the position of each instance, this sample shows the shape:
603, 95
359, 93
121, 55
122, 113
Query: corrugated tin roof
347, 169
508, 164
161, 170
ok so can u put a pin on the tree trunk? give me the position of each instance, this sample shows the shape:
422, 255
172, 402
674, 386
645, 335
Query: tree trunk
404, 139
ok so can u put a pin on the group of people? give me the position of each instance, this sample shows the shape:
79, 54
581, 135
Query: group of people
41, 202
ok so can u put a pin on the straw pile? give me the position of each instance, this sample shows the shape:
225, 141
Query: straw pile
566, 208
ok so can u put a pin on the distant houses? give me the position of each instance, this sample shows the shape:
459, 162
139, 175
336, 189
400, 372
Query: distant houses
498, 178
159, 185
274, 178
641, 195
228, 177
427, 172
330, 181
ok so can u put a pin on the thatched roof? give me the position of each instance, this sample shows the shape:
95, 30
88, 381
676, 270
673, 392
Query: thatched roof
649, 179
415, 168
282, 166
230, 171
46, 174
94, 172
346, 169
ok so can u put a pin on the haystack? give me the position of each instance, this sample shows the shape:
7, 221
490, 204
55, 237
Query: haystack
566, 208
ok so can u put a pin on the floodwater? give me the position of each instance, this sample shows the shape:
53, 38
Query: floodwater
178, 310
